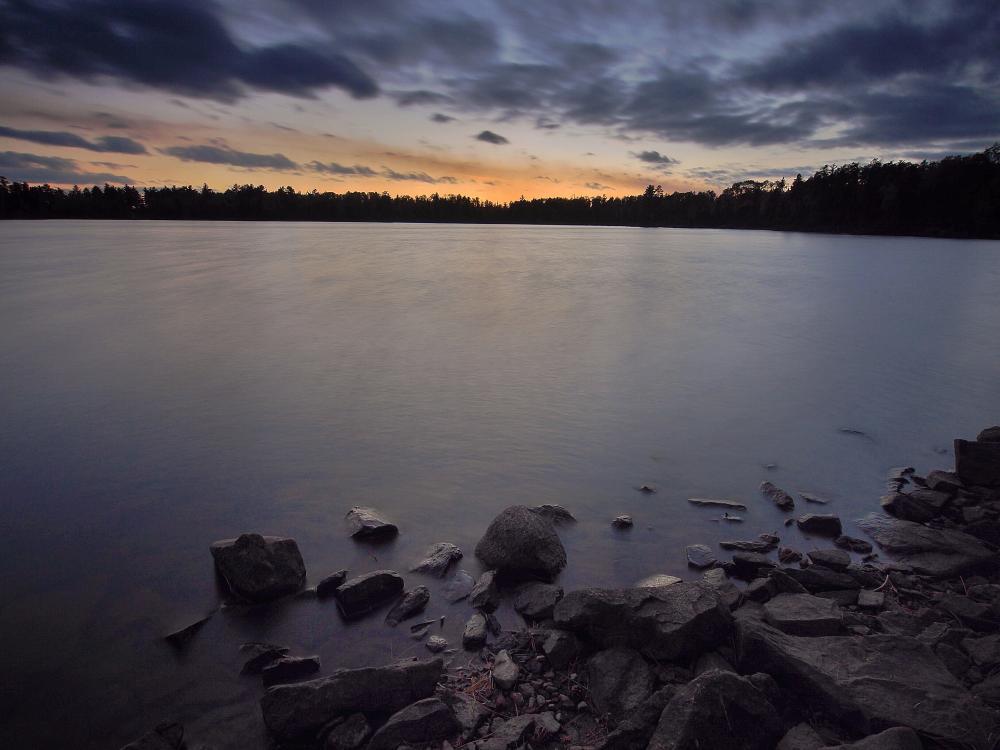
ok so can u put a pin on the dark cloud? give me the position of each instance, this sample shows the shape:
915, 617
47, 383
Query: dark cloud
105, 144
488, 136
391, 174
597, 186
333, 167
420, 97
225, 155
438, 117
53, 170
358, 170
654, 157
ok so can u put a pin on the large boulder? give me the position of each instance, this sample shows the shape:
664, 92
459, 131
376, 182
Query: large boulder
259, 568
522, 544
295, 711
619, 679
361, 595
866, 684
426, 722
978, 463
368, 523
718, 710
670, 622
940, 553
804, 614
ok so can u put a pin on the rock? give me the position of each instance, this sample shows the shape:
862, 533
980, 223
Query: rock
956, 662
871, 599
260, 655
468, 712
712, 660
988, 691
717, 710
436, 644
179, 639
635, 731
301, 709
350, 734
866, 683
750, 565
537, 600
427, 721
560, 647
522, 544
804, 614
811, 498
801, 737
657, 580
896, 738
976, 615
944, 481
710, 502
938, 553
822, 524
781, 498
437, 559
259, 568
760, 590
331, 583
989, 435
367, 592
411, 603
978, 463
841, 597
288, 668
784, 583
474, 635
787, 555
619, 679
509, 734
853, 543
817, 578
985, 651
647, 489
834, 559
700, 556
368, 523
505, 671
167, 736
752, 546
622, 522
729, 594
669, 622
485, 595
557, 514
907, 507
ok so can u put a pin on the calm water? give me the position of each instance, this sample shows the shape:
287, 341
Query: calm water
163, 385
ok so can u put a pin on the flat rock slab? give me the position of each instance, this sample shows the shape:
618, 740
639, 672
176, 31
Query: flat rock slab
804, 614
296, 711
657, 580
712, 502
437, 559
939, 553
259, 568
866, 684
619, 679
368, 523
700, 556
834, 559
365, 593
426, 722
754, 545
522, 544
817, 578
668, 622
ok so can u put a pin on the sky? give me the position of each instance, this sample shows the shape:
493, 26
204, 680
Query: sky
493, 98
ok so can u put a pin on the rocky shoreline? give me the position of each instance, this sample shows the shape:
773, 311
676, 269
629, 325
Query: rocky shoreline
773, 647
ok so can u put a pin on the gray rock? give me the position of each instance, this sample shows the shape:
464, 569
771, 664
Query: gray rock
841, 597
780, 498
820, 523
259, 568
865, 683
669, 622
871, 599
635, 731
537, 600
750, 565
289, 668
179, 639
509, 734
718, 710
956, 662
485, 595
557, 514
815, 499
976, 615
437, 559
622, 522
853, 543
411, 603
729, 594
505, 671
656, 580
710, 502
712, 660
985, 651
301, 709
427, 721
896, 738
167, 736
700, 556
521, 543
436, 644
749, 546
367, 592
458, 587
331, 583
907, 507
817, 578
989, 435
988, 691
259, 655
368, 523
560, 647
761, 589
787, 555
474, 635
801, 737
804, 614
978, 463
784, 583
349, 734
944, 481
939, 553
469, 713
834, 559
619, 679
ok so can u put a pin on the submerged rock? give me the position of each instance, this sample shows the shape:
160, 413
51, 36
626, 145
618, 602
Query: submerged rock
854, 544
755, 545
182, 637
835, 559
260, 568
260, 655
700, 556
368, 523
555, 513
939, 553
521, 543
712, 502
458, 587
656, 581
437, 559
780, 498
426, 722
411, 603
365, 593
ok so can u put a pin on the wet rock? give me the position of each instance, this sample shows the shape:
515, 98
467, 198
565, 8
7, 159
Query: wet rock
874, 600
896, 738
956, 662
179, 639
749, 546
505, 671
368, 523
750, 565
787, 555
853, 543
938, 553
780, 498
437, 559
619, 679
411, 603
834, 559
865, 683
331, 583
717, 710
801, 737
712, 502
301, 709
669, 622
289, 668
700, 556
815, 499
259, 655
259, 568
804, 614
622, 522
817, 578
521, 543
647, 489
657, 580
367, 592
821, 524
427, 721
988, 691
458, 587
842, 597
557, 514
349, 734
978, 463
485, 595
474, 635
635, 731
537, 600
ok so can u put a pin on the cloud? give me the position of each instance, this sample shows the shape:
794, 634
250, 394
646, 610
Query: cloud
654, 157
438, 117
341, 169
391, 174
226, 155
488, 136
53, 170
387, 173
597, 186
104, 144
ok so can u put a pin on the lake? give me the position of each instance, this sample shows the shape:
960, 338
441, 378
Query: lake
164, 385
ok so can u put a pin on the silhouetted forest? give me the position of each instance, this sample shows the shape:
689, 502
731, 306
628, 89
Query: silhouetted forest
958, 196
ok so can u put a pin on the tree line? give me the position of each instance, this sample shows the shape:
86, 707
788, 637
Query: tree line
958, 196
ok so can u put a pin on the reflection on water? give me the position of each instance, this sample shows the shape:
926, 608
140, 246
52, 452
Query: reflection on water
167, 384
